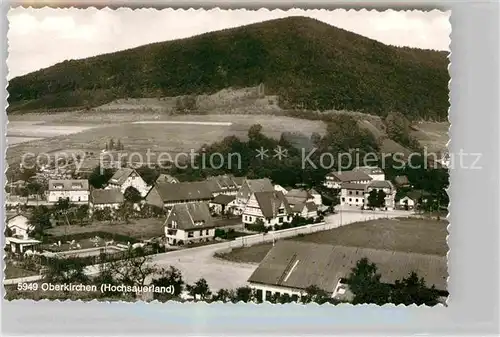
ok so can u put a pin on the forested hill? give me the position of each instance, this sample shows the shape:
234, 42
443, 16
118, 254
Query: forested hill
308, 63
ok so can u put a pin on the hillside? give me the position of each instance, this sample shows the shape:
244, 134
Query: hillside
307, 63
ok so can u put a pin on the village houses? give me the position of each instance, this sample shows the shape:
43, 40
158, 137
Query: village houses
166, 178
249, 187
225, 184
102, 198
168, 195
128, 177
19, 241
223, 204
357, 194
335, 179
271, 207
291, 267
188, 223
303, 203
373, 172
76, 190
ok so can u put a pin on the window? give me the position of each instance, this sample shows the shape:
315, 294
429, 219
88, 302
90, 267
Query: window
357, 192
174, 224
201, 233
207, 232
350, 199
343, 198
190, 234
350, 192
356, 200
280, 219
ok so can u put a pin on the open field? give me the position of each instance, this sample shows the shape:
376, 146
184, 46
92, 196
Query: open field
432, 135
170, 138
142, 229
400, 234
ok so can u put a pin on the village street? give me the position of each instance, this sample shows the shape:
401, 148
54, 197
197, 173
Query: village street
198, 262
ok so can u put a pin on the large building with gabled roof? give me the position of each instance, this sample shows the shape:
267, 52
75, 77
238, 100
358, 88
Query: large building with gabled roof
292, 266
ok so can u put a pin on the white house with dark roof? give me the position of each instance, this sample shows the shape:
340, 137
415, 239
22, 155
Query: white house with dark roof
336, 178
291, 267
76, 190
249, 187
271, 207
168, 195
128, 177
356, 195
19, 225
19, 241
223, 204
102, 198
352, 194
187, 223
308, 210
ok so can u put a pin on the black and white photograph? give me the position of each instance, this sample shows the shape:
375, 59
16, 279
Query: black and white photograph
258, 156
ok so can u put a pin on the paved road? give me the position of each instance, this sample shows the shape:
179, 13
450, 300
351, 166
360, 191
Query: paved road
198, 262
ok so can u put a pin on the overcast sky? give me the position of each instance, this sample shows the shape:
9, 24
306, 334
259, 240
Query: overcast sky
39, 38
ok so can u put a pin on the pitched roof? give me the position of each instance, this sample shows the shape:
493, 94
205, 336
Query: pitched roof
254, 185
380, 184
270, 202
310, 207
68, 185
190, 216
353, 186
369, 169
298, 265
121, 175
110, 196
166, 178
223, 199
260, 185
348, 176
186, 191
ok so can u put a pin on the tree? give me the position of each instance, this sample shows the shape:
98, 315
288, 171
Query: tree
98, 179
373, 200
244, 294
82, 213
412, 290
223, 295
124, 212
148, 174
27, 174
39, 221
381, 199
364, 283
133, 269
315, 294
132, 195
70, 270
35, 188
199, 288
315, 138
111, 145
254, 132
169, 277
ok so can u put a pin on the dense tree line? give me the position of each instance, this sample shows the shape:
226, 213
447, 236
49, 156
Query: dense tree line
309, 64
